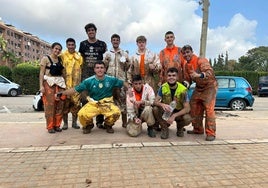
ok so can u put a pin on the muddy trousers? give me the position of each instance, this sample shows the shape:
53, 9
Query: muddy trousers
53, 108
106, 107
202, 103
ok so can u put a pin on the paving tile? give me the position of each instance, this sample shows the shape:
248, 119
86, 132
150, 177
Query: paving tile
5, 150
185, 143
150, 144
28, 149
71, 147
97, 146
124, 145
239, 141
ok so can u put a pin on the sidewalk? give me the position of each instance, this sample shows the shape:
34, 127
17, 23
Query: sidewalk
30, 157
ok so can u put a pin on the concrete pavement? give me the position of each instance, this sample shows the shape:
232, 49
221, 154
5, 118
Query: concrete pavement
30, 157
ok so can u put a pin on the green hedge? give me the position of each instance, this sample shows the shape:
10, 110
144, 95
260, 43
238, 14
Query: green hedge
6, 72
27, 75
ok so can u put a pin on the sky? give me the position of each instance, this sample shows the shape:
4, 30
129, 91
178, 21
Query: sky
234, 26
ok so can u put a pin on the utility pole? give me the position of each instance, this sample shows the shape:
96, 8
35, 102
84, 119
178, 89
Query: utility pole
203, 39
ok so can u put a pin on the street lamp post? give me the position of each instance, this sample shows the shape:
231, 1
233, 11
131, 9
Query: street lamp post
203, 39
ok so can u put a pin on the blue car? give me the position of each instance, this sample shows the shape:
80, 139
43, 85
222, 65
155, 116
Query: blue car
233, 92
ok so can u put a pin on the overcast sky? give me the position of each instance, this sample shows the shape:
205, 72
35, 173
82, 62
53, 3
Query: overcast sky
234, 25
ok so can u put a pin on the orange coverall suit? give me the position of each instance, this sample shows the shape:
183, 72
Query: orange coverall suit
204, 95
170, 57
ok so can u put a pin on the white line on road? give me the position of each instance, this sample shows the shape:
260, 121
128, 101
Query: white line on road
6, 109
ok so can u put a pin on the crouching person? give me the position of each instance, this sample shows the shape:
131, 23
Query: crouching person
172, 104
139, 107
100, 88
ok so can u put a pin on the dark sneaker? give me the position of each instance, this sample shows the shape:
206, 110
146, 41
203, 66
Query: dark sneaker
51, 131
210, 138
109, 129
87, 129
124, 125
151, 132
65, 127
57, 129
194, 132
75, 126
164, 133
180, 133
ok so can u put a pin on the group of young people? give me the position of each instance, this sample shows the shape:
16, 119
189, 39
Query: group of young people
145, 87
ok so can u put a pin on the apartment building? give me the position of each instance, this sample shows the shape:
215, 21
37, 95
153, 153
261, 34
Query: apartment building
24, 45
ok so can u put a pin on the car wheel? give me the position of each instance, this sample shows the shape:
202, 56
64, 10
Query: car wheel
238, 104
40, 105
13, 93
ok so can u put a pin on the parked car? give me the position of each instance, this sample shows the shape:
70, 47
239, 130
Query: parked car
9, 88
263, 86
38, 102
233, 92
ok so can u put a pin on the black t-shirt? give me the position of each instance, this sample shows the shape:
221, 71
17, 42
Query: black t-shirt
91, 52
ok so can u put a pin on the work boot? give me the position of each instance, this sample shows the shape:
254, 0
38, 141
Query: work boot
109, 129
151, 132
51, 131
87, 129
57, 129
65, 122
164, 132
180, 133
124, 120
74, 123
210, 138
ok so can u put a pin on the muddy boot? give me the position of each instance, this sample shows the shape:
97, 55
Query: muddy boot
124, 120
74, 123
150, 131
164, 131
65, 122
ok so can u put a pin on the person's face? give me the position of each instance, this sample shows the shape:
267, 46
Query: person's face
115, 42
169, 38
172, 77
137, 85
56, 50
187, 54
99, 70
71, 47
91, 33
141, 45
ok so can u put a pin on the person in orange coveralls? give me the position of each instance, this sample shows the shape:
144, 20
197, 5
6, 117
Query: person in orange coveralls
170, 57
198, 69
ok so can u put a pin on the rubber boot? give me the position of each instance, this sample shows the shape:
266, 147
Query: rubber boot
124, 120
65, 121
74, 123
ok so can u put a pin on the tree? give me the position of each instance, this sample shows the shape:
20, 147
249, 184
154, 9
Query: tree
256, 59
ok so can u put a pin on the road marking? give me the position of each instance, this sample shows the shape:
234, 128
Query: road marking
7, 110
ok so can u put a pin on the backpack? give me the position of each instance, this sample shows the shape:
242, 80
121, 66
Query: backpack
55, 68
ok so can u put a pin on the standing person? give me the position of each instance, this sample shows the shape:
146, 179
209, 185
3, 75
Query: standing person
117, 63
72, 61
145, 63
100, 88
204, 96
139, 107
92, 51
170, 57
51, 81
172, 91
